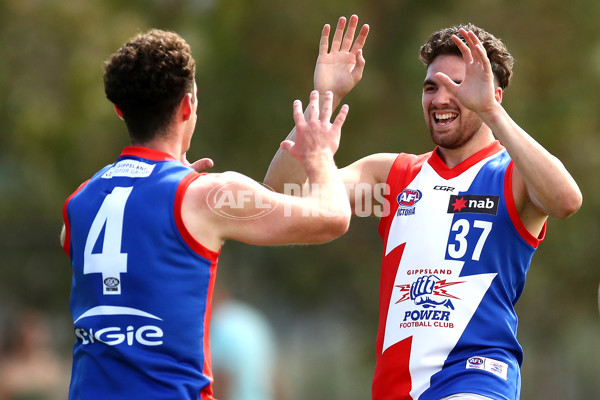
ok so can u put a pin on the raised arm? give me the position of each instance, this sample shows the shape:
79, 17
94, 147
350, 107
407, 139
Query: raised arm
339, 68
542, 186
241, 209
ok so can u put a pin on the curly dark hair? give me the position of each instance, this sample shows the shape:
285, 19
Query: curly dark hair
440, 43
147, 78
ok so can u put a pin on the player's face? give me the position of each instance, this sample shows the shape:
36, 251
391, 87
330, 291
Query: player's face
450, 124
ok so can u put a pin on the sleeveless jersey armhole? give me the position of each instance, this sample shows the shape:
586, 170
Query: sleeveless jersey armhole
514, 215
402, 172
67, 243
183, 231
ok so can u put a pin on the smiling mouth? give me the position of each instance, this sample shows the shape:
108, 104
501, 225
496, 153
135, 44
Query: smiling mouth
444, 118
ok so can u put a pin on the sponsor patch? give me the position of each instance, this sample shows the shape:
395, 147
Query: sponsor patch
496, 367
473, 203
129, 169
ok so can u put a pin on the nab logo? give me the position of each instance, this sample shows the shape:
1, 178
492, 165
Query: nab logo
409, 197
472, 203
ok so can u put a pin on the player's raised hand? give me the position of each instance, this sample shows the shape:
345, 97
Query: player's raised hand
315, 132
340, 66
477, 91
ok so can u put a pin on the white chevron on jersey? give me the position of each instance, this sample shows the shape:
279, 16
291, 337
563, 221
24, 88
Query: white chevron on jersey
426, 238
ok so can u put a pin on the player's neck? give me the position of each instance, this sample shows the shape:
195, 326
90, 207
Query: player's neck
169, 143
453, 157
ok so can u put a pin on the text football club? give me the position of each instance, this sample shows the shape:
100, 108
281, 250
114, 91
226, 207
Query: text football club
431, 296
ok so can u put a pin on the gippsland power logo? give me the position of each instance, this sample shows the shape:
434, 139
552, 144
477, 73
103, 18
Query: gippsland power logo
428, 293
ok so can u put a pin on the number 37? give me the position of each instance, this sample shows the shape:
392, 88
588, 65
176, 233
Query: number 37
459, 231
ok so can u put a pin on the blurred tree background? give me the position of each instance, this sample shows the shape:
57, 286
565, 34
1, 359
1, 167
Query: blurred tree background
254, 58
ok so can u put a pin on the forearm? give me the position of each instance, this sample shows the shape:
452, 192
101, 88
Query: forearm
284, 169
325, 188
549, 185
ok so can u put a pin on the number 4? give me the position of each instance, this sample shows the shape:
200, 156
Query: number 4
110, 262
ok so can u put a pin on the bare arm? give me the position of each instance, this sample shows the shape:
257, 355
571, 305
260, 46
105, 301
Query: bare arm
241, 209
339, 68
542, 186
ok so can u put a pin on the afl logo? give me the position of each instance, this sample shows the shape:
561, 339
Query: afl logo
409, 197
111, 282
475, 361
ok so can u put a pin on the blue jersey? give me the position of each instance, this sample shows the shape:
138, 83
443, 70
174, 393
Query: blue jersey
456, 255
142, 286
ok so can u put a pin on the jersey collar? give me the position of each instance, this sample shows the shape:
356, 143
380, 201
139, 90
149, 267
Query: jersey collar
445, 172
148, 154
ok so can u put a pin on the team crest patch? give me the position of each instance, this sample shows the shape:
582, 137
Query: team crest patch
431, 295
472, 203
407, 200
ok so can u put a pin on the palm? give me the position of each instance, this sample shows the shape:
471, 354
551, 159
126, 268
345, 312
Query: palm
340, 66
336, 72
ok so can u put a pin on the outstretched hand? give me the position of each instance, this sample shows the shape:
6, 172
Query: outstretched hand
315, 132
340, 67
477, 91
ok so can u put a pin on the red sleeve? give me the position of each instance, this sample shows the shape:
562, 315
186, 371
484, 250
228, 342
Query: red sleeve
67, 242
514, 215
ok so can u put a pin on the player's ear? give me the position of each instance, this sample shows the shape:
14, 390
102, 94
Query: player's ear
118, 111
186, 106
498, 94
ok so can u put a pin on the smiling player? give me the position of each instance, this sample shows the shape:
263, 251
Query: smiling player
464, 219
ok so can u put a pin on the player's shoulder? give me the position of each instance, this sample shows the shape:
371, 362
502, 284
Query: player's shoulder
385, 161
204, 186
208, 181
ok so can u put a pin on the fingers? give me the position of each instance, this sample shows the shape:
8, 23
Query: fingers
313, 113
202, 164
473, 50
313, 107
324, 43
337, 36
361, 39
326, 107
360, 66
464, 48
286, 145
344, 41
297, 113
349, 36
446, 81
341, 117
